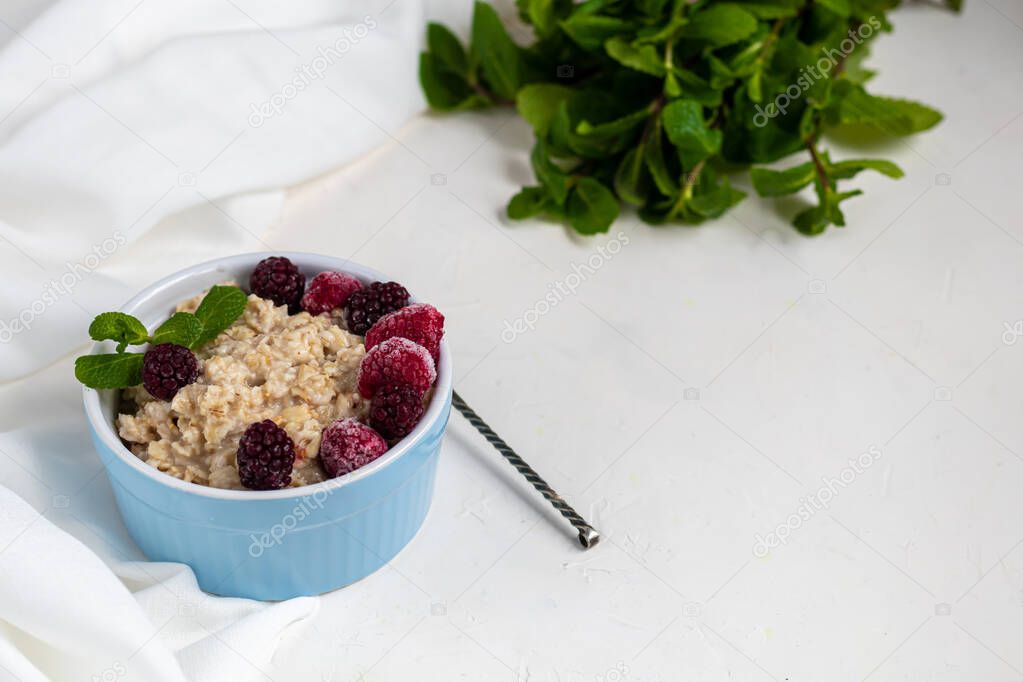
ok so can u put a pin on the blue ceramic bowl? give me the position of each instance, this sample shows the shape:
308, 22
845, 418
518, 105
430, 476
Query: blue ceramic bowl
271, 544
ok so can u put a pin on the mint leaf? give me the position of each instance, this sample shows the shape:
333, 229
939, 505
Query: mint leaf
550, 176
530, 201
538, 103
854, 105
183, 329
772, 183
631, 180
494, 51
614, 127
447, 49
109, 370
642, 58
591, 31
720, 25
687, 130
119, 327
218, 311
591, 207
444, 89
850, 167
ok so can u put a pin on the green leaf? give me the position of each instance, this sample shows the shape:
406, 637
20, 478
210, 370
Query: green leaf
653, 155
631, 182
447, 49
844, 170
119, 327
542, 14
529, 202
720, 25
552, 178
688, 131
642, 58
218, 310
591, 31
183, 329
839, 7
496, 53
714, 200
109, 370
538, 103
854, 105
812, 221
772, 183
445, 90
615, 127
591, 207
771, 9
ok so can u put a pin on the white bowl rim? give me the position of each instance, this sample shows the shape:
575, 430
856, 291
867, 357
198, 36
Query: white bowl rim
107, 434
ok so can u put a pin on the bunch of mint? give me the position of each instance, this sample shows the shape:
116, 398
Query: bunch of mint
656, 102
218, 310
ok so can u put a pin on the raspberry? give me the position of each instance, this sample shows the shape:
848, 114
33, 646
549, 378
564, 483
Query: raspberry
369, 304
167, 368
327, 291
279, 280
419, 322
396, 410
347, 445
265, 457
396, 361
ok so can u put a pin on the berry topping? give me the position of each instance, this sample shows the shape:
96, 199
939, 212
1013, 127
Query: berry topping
327, 291
347, 445
396, 361
396, 410
279, 280
419, 322
167, 368
265, 457
369, 304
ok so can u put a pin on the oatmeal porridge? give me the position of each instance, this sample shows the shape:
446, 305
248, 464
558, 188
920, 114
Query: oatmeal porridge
299, 371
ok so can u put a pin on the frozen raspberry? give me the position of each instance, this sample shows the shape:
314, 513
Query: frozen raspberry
395, 410
419, 322
369, 304
167, 368
347, 445
279, 280
265, 457
327, 291
396, 361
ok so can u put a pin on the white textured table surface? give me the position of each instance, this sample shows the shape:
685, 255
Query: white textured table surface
691, 392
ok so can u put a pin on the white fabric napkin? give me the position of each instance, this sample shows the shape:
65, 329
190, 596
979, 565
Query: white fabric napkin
118, 113
138, 137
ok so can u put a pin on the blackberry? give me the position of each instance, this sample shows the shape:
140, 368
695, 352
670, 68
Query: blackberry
167, 368
278, 279
266, 455
370, 303
395, 411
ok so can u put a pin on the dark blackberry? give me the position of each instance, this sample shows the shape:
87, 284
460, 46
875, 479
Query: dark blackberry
278, 279
266, 455
167, 368
370, 303
395, 411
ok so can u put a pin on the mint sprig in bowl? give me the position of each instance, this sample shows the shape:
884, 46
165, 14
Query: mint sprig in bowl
262, 544
218, 310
